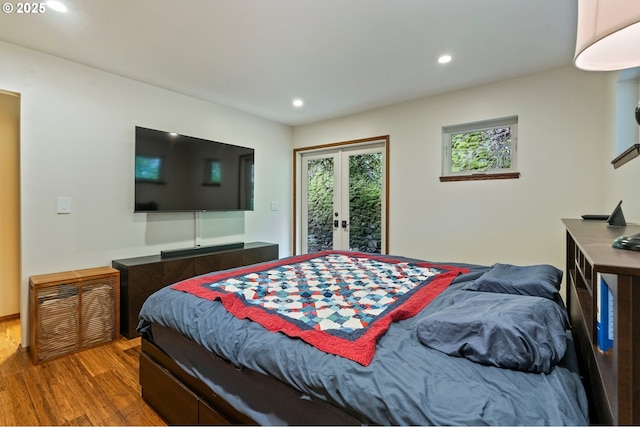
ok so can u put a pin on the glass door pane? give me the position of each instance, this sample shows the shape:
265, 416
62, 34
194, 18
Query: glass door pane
320, 204
365, 202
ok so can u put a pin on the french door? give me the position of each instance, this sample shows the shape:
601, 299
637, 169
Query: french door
343, 198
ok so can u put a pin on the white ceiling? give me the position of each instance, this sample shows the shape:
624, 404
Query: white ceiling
340, 56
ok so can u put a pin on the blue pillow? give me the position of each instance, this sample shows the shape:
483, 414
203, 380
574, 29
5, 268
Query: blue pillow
536, 280
517, 332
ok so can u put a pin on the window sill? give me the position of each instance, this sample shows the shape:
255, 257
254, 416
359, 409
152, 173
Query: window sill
480, 177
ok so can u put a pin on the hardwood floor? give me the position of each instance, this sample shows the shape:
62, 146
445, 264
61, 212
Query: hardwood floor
94, 387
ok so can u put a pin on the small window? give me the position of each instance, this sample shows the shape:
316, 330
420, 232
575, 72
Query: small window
480, 150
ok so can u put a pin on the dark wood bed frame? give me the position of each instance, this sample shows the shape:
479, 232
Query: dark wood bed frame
180, 398
177, 396
611, 379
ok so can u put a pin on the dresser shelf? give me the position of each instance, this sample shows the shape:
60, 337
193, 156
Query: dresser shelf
612, 378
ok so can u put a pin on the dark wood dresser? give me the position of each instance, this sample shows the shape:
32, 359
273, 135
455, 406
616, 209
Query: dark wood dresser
142, 276
612, 377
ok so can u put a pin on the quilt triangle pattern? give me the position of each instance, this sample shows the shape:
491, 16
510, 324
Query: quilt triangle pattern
341, 302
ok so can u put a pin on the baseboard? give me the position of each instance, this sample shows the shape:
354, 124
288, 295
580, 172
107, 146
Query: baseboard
10, 317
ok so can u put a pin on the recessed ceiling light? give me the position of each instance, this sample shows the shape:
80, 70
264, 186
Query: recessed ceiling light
57, 6
444, 59
298, 102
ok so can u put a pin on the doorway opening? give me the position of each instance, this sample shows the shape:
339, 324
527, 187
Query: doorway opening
10, 286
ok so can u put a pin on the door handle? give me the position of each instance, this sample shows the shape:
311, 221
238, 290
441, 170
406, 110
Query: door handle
344, 224
336, 224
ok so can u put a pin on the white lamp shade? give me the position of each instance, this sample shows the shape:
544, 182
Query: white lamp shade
608, 35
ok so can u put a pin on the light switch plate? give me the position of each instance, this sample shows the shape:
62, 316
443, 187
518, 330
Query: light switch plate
64, 205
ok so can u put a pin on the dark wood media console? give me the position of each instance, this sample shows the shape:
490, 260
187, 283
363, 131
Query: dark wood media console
612, 377
142, 276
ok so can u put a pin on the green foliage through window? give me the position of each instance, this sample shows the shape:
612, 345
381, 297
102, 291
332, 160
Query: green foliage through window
365, 203
365, 199
320, 205
480, 148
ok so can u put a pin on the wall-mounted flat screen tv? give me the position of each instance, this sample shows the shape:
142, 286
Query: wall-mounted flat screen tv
178, 173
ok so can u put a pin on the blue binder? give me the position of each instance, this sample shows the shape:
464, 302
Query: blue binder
605, 316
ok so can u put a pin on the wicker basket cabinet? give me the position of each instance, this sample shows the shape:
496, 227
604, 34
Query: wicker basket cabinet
73, 311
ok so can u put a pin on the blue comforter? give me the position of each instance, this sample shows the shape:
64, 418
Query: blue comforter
407, 383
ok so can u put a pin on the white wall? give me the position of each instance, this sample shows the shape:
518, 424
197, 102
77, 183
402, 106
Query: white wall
561, 155
77, 140
623, 183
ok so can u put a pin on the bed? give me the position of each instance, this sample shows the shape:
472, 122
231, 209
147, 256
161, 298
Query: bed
419, 343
